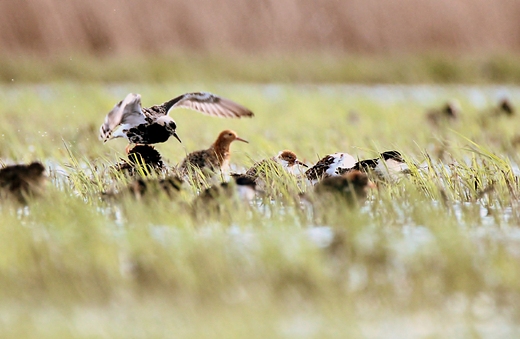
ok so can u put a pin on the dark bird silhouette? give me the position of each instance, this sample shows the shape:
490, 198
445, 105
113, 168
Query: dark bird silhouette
449, 112
22, 181
351, 187
142, 155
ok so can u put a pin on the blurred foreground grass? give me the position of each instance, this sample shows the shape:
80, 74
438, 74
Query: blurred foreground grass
326, 68
433, 256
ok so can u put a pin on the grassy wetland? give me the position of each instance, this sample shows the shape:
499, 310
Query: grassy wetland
433, 255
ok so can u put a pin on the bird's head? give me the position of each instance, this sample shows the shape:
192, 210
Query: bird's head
289, 159
169, 124
228, 136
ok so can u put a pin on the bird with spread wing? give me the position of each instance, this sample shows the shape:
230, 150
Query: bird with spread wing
128, 119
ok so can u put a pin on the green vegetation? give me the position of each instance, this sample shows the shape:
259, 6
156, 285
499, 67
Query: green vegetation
284, 68
432, 256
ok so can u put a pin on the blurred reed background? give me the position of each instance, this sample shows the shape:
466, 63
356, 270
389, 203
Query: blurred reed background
357, 26
290, 29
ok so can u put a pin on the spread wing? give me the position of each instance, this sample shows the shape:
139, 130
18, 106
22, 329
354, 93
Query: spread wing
127, 112
209, 104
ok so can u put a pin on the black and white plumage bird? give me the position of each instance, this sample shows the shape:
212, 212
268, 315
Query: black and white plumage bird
387, 167
128, 119
329, 166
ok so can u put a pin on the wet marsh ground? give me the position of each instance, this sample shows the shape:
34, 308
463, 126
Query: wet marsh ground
434, 255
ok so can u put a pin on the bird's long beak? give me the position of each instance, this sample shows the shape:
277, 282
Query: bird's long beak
177, 137
298, 162
243, 140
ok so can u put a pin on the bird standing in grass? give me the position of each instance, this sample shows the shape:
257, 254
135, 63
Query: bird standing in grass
145, 156
128, 119
244, 188
286, 159
21, 181
450, 112
387, 167
352, 187
330, 165
214, 159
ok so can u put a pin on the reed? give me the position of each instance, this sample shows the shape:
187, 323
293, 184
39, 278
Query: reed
52, 27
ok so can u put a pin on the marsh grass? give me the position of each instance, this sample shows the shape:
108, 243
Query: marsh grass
433, 255
309, 67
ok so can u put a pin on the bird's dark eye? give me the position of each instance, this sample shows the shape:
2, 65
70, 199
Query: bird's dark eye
173, 125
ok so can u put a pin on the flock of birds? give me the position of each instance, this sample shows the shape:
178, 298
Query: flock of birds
339, 174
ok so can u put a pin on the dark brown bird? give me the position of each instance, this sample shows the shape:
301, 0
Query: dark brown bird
449, 112
351, 187
242, 186
225, 197
506, 107
22, 181
214, 159
142, 155
153, 125
152, 187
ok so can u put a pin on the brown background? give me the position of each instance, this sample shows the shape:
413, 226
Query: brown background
252, 26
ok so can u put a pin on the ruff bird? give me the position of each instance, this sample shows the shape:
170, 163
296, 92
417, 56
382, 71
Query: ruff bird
387, 167
170, 186
21, 181
286, 159
505, 107
214, 159
149, 189
141, 155
225, 197
241, 186
449, 112
329, 166
351, 187
128, 119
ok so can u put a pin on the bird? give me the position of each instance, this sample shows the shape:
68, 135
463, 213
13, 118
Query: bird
225, 197
215, 158
149, 189
20, 181
449, 112
128, 119
330, 165
243, 186
387, 167
286, 159
141, 156
351, 187
505, 107
153, 187
491, 115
